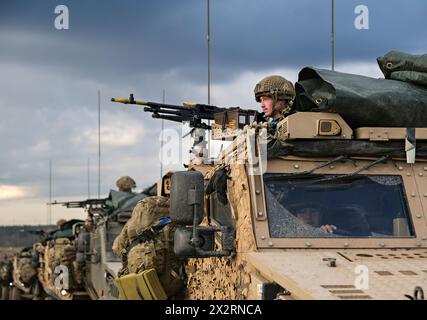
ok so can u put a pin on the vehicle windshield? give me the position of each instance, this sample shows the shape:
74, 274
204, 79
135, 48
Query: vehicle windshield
358, 206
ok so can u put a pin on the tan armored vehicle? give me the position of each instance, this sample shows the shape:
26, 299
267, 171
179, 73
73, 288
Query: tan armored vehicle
329, 212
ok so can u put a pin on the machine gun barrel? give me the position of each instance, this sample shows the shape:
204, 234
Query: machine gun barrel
80, 204
192, 112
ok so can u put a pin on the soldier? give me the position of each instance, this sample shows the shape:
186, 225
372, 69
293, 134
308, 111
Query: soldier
125, 184
60, 223
146, 241
276, 95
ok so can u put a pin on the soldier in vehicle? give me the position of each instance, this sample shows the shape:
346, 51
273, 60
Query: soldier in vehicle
276, 95
311, 216
60, 223
125, 184
146, 241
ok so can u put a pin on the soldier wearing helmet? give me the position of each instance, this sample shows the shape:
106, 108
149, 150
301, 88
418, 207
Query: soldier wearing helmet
276, 95
60, 223
126, 184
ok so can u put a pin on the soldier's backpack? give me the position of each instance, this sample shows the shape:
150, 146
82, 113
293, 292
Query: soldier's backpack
27, 266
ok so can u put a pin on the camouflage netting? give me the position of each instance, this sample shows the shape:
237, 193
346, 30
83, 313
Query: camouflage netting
227, 277
156, 254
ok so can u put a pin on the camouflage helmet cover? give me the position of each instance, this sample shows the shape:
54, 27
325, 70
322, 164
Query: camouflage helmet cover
276, 87
126, 183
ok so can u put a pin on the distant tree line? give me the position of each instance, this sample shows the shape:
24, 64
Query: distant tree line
19, 236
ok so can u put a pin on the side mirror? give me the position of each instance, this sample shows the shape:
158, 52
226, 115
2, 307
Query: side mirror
187, 198
199, 242
183, 245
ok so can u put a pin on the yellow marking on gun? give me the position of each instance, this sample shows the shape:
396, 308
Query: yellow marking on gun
188, 104
121, 100
127, 101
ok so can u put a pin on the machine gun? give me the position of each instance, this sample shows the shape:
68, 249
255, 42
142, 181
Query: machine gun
87, 204
227, 120
193, 113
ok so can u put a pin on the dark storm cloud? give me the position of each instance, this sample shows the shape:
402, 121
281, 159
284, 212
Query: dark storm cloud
123, 39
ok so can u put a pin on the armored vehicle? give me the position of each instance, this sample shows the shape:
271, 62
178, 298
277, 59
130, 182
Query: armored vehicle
319, 211
329, 203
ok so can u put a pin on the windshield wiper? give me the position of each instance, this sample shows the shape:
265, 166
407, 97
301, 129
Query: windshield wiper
354, 174
294, 175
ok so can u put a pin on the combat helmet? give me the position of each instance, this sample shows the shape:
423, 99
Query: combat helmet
275, 87
125, 184
60, 223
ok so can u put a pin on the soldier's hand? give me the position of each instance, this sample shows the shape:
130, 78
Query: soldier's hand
328, 228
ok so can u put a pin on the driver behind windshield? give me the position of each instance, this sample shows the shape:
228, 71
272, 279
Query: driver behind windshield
312, 217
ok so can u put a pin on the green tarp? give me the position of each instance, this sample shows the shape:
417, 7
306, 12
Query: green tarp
404, 67
362, 101
119, 201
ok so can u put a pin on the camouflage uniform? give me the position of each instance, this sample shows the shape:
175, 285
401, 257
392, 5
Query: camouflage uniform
156, 252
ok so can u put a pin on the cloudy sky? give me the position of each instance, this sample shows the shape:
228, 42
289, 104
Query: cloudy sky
49, 78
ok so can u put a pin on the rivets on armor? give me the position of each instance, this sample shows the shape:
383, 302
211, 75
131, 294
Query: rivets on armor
345, 244
418, 216
262, 237
413, 195
260, 214
425, 168
408, 174
400, 168
382, 244
420, 174
419, 244
308, 244
270, 244
257, 192
296, 166
331, 166
424, 238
